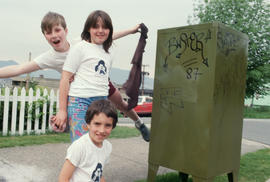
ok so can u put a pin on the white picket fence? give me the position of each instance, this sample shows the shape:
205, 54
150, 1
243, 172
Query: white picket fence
25, 126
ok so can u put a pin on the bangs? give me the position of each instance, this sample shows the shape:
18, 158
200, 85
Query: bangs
106, 23
51, 20
48, 27
92, 22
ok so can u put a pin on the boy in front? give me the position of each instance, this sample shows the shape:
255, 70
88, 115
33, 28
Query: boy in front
87, 156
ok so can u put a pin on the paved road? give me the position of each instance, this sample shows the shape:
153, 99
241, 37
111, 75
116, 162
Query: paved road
146, 120
257, 130
253, 129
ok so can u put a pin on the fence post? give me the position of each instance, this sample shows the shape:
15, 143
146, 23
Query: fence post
37, 111
14, 111
22, 109
6, 105
44, 116
57, 101
51, 107
29, 118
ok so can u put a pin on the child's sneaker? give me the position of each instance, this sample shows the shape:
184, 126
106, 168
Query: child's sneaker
144, 131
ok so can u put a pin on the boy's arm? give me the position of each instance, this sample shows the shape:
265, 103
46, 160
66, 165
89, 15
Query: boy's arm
120, 34
66, 171
15, 70
61, 116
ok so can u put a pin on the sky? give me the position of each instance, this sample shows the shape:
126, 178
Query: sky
20, 25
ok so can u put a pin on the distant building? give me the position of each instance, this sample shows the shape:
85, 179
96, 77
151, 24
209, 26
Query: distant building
148, 92
48, 83
6, 82
121, 90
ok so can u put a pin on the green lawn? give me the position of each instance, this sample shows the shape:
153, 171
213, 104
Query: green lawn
254, 167
11, 141
257, 112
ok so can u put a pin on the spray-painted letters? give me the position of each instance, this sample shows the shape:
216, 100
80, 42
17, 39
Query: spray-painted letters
227, 42
193, 42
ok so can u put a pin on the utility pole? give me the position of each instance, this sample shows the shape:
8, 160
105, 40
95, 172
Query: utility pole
143, 75
28, 75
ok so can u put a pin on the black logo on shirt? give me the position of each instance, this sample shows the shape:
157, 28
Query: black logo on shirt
96, 175
101, 68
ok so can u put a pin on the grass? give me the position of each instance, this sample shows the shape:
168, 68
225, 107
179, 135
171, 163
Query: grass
257, 112
124, 132
52, 137
254, 167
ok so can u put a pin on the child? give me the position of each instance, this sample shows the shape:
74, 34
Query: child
55, 31
90, 61
87, 156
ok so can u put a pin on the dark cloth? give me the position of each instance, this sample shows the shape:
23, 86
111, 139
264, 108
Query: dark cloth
132, 85
111, 89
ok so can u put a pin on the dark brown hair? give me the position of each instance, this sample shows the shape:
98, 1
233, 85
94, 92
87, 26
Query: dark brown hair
51, 19
91, 21
101, 106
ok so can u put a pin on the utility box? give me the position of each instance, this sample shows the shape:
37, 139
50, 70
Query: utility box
198, 104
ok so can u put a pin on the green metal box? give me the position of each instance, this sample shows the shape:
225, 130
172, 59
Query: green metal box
199, 90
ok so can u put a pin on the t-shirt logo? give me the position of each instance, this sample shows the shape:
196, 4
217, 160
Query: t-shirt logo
101, 68
97, 173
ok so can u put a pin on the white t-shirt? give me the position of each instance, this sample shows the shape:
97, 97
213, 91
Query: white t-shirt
91, 66
52, 60
88, 159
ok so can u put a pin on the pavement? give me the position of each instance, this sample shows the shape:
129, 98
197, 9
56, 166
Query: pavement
42, 163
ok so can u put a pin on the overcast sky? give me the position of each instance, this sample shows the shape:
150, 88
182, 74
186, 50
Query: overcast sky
20, 24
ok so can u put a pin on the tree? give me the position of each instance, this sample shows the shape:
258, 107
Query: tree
251, 17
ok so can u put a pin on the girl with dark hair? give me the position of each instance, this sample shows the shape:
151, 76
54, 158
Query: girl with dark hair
91, 21
89, 83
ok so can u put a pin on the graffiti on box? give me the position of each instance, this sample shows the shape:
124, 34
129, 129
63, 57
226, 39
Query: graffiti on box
170, 99
194, 43
227, 42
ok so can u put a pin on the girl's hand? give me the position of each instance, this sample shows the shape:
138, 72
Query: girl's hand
135, 29
119, 34
60, 121
54, 127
